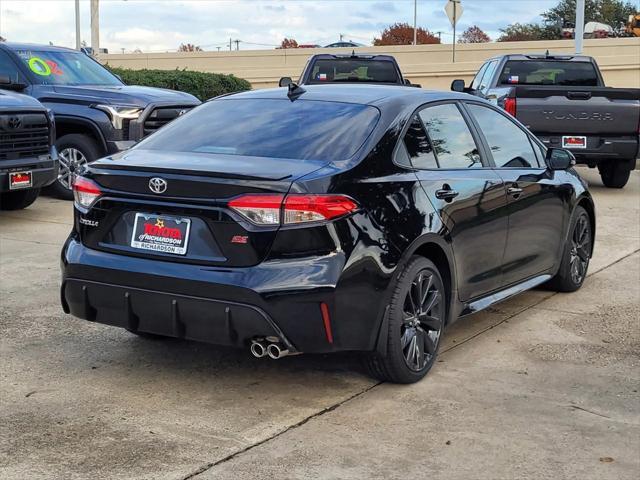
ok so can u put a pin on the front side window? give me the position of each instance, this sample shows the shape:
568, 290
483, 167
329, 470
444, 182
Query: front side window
509, 144
450, 137
65, 68
8, 68
475, 85
488, 75
263, 127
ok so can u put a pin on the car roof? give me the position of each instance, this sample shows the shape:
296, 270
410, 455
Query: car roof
36, 46
355, 56
544, 56
359, 94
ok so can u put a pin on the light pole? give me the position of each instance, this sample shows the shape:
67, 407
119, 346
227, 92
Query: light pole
415, 22
78, 40
579, 29
95, 26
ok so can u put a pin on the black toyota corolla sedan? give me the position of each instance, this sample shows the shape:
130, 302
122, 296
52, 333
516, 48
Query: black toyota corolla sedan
341, 217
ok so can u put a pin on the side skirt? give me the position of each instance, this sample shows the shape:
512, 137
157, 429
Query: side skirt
502, 295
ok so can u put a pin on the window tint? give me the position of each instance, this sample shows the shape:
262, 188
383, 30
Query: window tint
549, 72
418, 146
259, 127
509, 145
353, 70
488, 75
8, 68
450, 137
478, 78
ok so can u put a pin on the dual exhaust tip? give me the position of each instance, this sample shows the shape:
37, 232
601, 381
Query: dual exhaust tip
262, 348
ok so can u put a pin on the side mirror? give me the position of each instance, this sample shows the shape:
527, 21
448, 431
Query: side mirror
8, 84
407, 81
457, 85
560, 159
285, 81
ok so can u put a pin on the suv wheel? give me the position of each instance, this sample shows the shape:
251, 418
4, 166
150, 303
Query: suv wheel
417, 314
615, 174
74, 151
19, 199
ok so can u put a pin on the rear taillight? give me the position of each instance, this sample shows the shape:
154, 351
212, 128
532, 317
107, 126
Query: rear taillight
510, 106
85, 192
267, 209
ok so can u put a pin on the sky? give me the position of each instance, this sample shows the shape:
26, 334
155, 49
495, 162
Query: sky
162, 25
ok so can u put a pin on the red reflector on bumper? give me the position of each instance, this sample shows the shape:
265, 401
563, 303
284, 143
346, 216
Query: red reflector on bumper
327, 321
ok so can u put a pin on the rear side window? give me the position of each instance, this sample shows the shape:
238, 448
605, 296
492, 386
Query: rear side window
450, 138
276, 128
353, 70
549, 72
509, 144
418, 146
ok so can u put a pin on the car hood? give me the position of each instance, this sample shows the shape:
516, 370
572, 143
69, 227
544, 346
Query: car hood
125, 95
12, 101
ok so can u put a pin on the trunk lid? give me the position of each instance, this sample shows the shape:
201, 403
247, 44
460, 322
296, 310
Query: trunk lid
578, 110
197, 188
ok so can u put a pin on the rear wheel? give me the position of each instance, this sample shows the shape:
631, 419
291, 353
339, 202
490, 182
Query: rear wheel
74, 151
19, 199
615, 174
576, 254
417, 313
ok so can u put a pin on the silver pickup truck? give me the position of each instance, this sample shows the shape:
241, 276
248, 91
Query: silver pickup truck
563, 101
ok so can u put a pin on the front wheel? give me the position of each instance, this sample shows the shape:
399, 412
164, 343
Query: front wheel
576, 254
615, 174
18, 199
417, 314
74, 151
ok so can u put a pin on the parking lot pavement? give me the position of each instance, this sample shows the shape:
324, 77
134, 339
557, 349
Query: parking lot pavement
543, 386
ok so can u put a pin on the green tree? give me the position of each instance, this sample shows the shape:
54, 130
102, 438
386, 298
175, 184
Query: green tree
611, 12
521, 32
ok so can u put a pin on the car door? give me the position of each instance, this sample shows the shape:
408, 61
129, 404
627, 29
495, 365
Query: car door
536, 195
468, 195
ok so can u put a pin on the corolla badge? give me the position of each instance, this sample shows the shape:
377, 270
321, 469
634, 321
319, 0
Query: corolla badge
158, 185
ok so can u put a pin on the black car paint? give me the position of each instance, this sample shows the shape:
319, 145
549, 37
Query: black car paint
44, 166
350, 263
72, 105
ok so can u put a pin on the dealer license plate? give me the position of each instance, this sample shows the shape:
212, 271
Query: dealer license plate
18, 180
572, 141
161, 233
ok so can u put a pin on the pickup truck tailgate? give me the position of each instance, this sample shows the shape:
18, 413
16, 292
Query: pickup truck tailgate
578, 110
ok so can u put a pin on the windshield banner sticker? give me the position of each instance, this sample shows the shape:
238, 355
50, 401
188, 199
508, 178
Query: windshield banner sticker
44, 68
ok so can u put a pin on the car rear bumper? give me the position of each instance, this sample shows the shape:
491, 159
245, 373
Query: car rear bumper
224, 306
599, 148
44, 171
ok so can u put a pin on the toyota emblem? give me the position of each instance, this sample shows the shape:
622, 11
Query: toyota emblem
158, 185
14, 122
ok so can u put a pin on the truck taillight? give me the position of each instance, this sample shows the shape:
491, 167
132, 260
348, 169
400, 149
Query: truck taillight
268, 209
510, 106
85, 192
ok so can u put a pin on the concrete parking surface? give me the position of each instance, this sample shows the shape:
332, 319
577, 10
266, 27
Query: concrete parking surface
542, 386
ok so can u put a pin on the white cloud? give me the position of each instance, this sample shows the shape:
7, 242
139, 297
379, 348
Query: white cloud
163, 24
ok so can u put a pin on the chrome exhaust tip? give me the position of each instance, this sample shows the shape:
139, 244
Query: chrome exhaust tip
258, 349
275, 351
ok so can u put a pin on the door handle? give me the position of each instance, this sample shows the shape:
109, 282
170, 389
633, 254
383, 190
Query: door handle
446, 193
515, 191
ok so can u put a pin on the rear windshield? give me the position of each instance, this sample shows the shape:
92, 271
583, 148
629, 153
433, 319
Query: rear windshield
353, 70
302, 129
549, 72
65, 68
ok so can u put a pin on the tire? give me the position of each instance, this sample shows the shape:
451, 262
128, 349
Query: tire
18, 199
412, 340
576, 254
74, 151
615, 174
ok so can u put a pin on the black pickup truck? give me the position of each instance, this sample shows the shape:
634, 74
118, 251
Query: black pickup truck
354, 68
564, 102
96, 113
28, 159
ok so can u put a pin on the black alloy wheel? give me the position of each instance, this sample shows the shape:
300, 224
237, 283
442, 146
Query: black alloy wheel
416, 318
